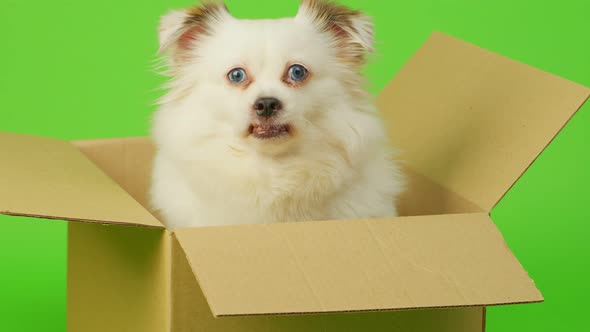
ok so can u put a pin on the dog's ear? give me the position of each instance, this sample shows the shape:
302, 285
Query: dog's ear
352, 31
179, 29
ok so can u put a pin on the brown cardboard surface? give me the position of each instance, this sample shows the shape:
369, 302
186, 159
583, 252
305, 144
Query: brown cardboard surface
423, 196
43, 177
471, 120
332, 266
128, 161
191, 313
118, 279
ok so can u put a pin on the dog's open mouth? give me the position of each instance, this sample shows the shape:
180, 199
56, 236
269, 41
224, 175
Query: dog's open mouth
269, 131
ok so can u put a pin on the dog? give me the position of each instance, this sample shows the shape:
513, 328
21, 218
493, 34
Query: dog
269, 121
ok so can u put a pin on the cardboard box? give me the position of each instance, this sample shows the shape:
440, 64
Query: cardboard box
468, 122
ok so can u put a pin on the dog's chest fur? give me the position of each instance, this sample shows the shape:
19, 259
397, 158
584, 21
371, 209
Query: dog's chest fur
250, 190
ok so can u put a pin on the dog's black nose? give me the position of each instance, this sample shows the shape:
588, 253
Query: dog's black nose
267, 106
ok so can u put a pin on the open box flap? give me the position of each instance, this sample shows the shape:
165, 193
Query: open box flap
127, 160
360, 265
50, 178
474, 121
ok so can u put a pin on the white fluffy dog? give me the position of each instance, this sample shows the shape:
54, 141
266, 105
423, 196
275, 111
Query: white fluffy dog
267, 120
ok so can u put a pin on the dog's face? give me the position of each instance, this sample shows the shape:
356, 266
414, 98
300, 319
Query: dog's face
266, 84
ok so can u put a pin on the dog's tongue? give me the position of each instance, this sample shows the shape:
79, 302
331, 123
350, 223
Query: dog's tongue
267, 131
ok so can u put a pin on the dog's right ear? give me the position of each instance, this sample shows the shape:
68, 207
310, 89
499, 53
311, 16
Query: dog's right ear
180, 29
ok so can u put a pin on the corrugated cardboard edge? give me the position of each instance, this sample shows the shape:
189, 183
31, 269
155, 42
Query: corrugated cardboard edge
375, 310
89, 221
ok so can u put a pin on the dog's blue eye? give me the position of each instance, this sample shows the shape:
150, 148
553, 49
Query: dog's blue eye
297, 73
237, 75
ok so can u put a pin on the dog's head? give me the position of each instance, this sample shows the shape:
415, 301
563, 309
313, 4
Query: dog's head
266, 84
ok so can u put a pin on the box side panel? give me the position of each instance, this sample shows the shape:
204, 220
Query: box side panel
190, 313
118, 279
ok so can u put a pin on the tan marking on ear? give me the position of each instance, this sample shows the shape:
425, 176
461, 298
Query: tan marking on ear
191, 24
205, 12
351, 29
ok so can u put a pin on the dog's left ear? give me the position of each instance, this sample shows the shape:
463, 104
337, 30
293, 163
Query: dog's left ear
180, 29
351, 30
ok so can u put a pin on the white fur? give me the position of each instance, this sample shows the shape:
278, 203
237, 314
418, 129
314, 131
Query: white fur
207, 171
170, 26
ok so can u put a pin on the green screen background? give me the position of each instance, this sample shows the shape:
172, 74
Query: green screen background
79, 69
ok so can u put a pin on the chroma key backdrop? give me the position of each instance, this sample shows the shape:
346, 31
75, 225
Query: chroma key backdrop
80, 69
